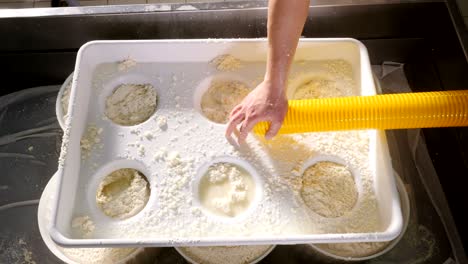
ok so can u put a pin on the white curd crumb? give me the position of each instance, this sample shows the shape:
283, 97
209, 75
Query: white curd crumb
148, 135
159, 155
141, 150
162, 122
173, 159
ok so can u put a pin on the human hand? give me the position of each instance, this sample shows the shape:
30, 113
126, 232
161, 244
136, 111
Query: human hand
267, 102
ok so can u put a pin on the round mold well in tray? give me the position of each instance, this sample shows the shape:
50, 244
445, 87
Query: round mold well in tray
329, 160
316, 85
202, 183
232, 84
118, 184
119, 82
82, 255
369, 250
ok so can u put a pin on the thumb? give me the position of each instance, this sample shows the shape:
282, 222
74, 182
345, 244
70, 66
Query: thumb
273, 129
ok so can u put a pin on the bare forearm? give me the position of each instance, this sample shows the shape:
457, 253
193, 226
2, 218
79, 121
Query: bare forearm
267, 102
286, 20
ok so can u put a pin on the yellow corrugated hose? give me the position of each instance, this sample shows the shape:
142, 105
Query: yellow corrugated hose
389, 111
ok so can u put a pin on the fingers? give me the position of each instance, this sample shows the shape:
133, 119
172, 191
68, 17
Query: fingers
234, 121
247, 126
235, 110
273, 129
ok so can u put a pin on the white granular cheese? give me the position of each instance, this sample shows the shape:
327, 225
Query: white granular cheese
123, 193
178, 171
313, 89
141, 150
333, 78
329, 189
219, 174
84, 225
225, 255
160, 154
173, 159
135, 131
226, 189
220, 98
226, 63
148, 135
126, 64
131, 104
162, 122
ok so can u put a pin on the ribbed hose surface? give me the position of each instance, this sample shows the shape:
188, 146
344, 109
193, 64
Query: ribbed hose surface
389, 111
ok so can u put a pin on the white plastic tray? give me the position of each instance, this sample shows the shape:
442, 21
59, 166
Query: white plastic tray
179, 70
